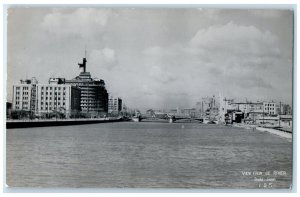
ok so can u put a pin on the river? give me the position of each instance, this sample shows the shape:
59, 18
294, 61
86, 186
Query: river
147, 155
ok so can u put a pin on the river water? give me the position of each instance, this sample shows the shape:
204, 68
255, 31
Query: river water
147, 155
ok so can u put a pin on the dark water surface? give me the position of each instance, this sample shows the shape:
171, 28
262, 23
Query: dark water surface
146, 155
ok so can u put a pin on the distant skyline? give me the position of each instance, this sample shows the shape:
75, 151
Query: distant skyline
157, 58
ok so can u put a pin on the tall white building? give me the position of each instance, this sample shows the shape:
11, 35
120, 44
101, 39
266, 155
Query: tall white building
114, 104
24, 95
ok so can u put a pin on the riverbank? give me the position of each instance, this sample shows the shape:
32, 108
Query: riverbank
12, 124
276, 131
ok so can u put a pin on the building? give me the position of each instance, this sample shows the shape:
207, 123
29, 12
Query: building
58, 99
286, 121
94, 96
31, 99
24, 96
114, 105
269, 108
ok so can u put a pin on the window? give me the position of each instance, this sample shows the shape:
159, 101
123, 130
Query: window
42, 88
58, 103
42, 103
50, 88
50, 93
58, 88
42, 108
17, 88
46, 88
42, 98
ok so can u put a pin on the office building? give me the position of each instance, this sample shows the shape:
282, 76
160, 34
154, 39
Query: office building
270, 108
114, 105
58, 99
94, 96
24, 96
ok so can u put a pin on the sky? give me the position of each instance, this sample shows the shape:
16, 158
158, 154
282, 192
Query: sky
155, 57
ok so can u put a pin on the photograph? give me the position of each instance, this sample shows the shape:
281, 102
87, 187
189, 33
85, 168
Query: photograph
149, 97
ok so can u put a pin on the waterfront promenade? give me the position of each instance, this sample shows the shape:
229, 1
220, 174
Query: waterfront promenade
27, 123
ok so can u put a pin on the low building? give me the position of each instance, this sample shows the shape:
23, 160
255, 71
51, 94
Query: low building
270, 108
286, 121
268, 120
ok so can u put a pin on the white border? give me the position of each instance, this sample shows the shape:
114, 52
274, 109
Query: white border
164, 3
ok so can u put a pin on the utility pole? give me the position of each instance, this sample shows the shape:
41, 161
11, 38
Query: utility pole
263, 114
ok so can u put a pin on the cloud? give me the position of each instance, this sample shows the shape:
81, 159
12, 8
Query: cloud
158, 74
236, 39
104, 58
248, 82
82, 22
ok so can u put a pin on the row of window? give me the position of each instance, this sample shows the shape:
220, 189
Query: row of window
55, 88
24, 98
24, 102
24, 88
24, 108
269, 108
58, 103
54, 98
50, 93
270, 104
25, 93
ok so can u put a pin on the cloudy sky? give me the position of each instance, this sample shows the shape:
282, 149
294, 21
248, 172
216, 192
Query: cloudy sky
157, 58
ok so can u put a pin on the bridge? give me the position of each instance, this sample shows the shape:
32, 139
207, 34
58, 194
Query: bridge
168, 117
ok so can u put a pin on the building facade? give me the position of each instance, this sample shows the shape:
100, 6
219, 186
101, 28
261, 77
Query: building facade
270, 108
24, 96
94, 96
44, 100
114, 105
57, 99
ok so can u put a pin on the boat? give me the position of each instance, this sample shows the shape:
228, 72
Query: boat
136, 119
